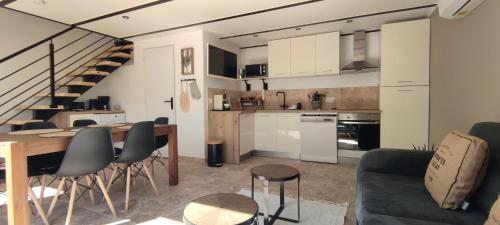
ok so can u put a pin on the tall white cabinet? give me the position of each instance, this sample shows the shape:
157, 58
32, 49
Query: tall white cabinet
279, 54
404, 92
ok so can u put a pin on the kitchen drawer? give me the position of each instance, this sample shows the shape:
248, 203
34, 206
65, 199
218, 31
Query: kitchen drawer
111, 118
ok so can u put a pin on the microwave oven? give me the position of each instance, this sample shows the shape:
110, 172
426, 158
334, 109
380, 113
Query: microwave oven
256, 70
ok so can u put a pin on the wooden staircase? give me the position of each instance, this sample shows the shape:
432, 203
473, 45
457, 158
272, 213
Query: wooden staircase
94, 72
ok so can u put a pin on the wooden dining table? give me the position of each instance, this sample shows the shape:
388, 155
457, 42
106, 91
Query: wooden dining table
16, 148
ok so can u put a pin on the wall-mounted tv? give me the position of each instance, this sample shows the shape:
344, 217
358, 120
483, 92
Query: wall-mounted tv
222, 63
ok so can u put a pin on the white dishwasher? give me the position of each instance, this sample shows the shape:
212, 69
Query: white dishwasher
318, 137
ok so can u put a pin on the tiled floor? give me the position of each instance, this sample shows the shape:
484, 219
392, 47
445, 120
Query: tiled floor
325, 182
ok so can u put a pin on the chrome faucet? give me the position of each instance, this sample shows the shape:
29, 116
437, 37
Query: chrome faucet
284, 106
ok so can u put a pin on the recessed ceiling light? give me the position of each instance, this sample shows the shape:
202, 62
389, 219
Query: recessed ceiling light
298, 28
349, 21
255, 35
126, 17
40, 2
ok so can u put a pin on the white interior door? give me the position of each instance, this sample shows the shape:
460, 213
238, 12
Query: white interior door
159, 83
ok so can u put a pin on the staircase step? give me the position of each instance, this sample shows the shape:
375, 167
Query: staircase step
126, 47
103, 63
40, 107
91, 73
115, 55
61, 95
78, 83
18, 122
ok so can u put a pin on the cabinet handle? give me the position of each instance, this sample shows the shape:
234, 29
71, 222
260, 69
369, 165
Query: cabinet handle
405, 90
327, 71
405, 81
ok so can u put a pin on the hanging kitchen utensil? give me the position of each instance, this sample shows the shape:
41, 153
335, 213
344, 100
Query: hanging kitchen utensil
184, 98
195, 91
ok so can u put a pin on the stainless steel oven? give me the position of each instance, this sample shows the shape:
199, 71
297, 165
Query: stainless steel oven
357, 133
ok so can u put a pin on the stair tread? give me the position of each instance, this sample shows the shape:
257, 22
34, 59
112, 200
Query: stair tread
62, 94
18, 121
126, 47
103, 63
78, 83
41, 107
115, 55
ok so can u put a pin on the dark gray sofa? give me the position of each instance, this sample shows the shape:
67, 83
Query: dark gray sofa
391, 190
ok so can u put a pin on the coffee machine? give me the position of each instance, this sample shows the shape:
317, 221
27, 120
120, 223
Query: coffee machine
103, 103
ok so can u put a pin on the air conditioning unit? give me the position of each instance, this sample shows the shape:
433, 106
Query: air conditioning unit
455, 9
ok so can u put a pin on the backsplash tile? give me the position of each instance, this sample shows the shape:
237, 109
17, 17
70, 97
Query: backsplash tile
345, 98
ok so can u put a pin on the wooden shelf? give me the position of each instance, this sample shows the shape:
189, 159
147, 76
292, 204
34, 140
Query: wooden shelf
18, 122
61, 95
40, 107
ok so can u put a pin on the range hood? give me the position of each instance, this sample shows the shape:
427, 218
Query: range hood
359, 53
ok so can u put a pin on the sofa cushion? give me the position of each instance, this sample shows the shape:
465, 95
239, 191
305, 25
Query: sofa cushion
405, 197
488, 192
494, 218
457, 169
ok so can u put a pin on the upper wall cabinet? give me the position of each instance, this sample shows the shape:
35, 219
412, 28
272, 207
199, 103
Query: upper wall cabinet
303, 56
405, 49
328, 53
279, 58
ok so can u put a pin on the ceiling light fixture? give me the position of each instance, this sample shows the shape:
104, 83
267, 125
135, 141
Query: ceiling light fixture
298, 28
255, 35
349, 21
126, 17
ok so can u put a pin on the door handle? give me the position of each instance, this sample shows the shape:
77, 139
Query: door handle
171, 101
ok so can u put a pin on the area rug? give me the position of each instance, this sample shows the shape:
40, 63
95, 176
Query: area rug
311, 212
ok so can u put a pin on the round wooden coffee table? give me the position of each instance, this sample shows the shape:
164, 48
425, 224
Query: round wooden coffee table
276, 173
221, 209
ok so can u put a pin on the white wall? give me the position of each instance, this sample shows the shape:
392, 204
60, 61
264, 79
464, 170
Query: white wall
126, 88
259, 55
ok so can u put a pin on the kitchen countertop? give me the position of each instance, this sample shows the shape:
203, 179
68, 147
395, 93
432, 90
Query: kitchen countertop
302, 111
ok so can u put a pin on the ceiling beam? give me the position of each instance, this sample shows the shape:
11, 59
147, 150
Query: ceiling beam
225, 18
122, 12
331, 21
6, 2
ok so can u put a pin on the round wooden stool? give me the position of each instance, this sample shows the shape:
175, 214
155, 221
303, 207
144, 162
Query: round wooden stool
221, 209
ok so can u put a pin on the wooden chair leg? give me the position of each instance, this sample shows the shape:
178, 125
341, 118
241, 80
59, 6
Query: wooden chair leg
150, 178
127, 190
39, 208
91, 193
113, 174
106, 195
74, 187
56, 196
43, 184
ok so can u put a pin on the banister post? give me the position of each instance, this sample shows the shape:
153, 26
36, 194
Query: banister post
52, 76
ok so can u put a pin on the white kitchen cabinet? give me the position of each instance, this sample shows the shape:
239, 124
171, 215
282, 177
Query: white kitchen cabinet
303, 56
74, 117
405, 117
328, 53
109, 118
247, 133
288, 133
265, 131
278, 58
405, 49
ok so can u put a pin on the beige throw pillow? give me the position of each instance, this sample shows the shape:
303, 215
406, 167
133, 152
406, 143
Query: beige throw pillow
457, 169
494, 218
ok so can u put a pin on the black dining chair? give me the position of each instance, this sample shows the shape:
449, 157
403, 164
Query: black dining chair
83, 123
161, 141
90, 151
138, 147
